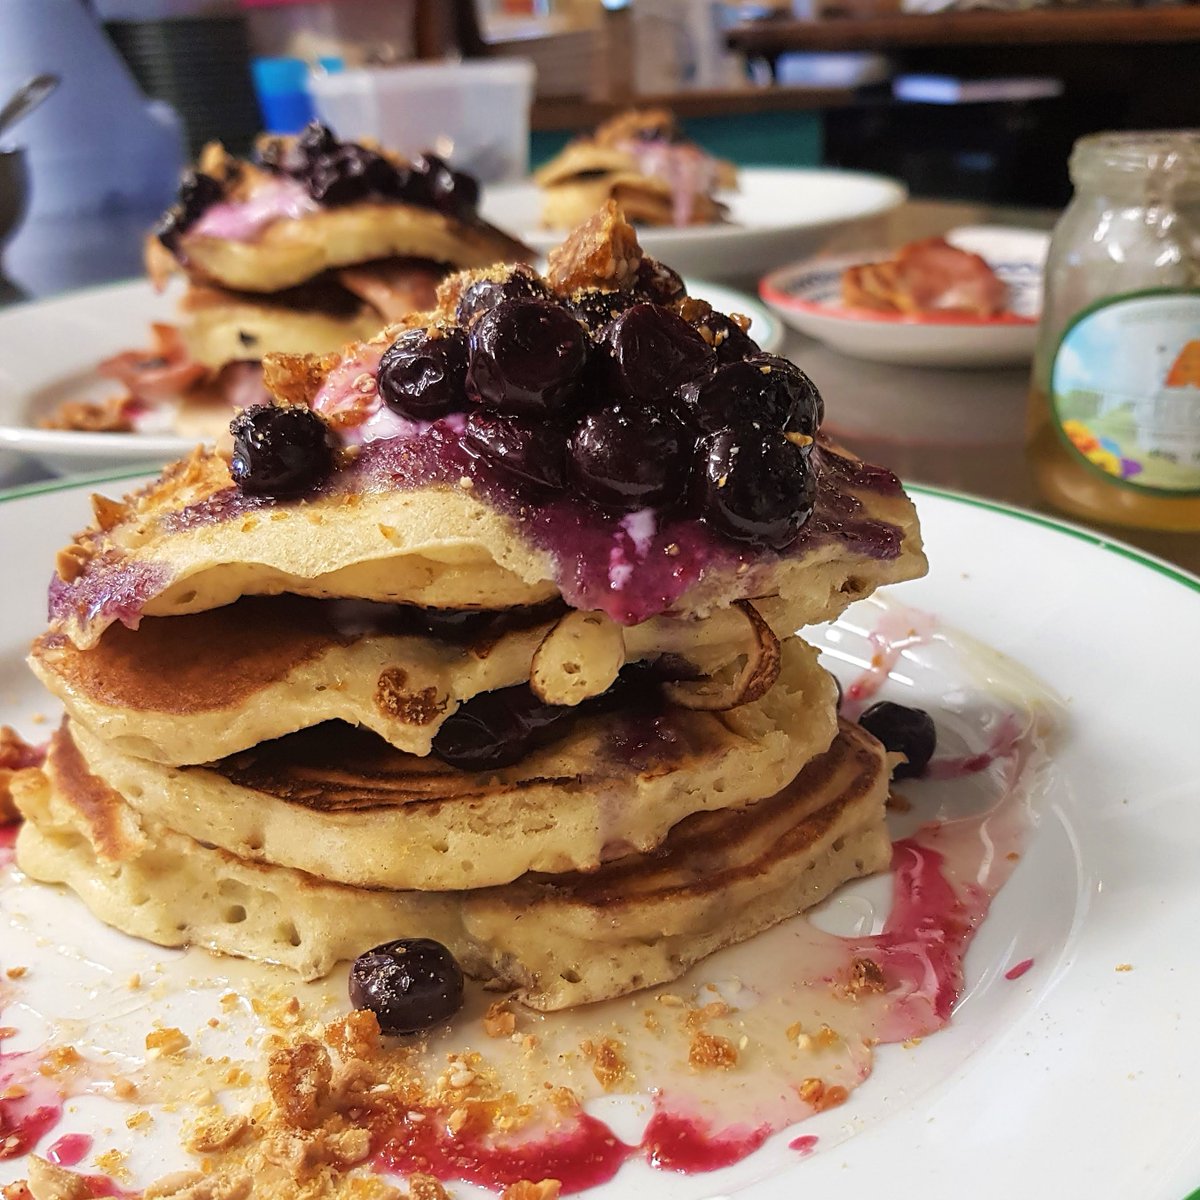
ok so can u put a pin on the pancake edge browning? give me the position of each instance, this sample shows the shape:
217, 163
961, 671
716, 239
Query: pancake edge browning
199, 687
720, 878
392, 820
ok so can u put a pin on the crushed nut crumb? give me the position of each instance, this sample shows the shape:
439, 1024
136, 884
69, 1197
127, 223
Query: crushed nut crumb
709, 1051
165, 1043
499, 1020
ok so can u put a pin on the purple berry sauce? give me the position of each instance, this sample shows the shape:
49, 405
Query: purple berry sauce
110, 589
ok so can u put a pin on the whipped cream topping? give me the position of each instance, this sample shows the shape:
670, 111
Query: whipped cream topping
243, 220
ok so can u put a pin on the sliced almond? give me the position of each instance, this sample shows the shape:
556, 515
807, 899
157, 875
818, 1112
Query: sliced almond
752, 681
578, 658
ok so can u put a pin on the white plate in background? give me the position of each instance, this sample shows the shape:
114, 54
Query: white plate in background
49, 350
775, 215
807, 295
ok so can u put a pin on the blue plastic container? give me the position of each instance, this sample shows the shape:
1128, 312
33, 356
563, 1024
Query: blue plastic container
281, 85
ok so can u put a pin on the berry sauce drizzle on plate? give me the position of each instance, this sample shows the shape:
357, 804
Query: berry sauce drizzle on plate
690, 1078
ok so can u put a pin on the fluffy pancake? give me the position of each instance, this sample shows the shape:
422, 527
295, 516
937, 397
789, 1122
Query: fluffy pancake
191, 542
644, 200
641, 160
287, 252
341, 804
191, 689
223, 327
561, 940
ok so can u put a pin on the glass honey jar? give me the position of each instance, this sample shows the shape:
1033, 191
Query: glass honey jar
1114, 428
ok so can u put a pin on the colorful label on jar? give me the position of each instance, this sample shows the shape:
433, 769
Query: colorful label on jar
1125, 389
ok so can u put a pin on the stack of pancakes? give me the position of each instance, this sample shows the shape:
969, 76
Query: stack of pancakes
270, 269
642, 161
296, 729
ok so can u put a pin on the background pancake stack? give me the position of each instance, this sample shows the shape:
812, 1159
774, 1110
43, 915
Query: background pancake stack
641, 160
315, 244
312, 733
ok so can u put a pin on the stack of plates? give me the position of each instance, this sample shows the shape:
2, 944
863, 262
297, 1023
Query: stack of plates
201, 67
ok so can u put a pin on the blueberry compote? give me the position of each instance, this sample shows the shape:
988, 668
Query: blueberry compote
337, 172
637, 437
621, 400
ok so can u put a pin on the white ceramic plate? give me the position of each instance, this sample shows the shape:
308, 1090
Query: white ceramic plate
808, 297
1077, 1080
775, 215
49, 350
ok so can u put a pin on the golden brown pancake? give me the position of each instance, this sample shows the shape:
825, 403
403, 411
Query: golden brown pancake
190, 689
341, 804
561, 940
641, 160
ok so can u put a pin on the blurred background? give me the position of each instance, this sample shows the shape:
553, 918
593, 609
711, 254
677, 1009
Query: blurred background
957, 101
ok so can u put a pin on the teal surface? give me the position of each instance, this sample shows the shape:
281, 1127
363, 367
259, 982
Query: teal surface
776, 139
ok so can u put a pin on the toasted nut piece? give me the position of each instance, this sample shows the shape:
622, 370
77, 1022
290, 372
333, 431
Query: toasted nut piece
578, 658
751, 682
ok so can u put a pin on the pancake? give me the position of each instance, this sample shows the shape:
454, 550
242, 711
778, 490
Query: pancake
191, 689
317, 317
560, 940
641, 160
191, 542
288, 252
643, 199
342, 804
230, 327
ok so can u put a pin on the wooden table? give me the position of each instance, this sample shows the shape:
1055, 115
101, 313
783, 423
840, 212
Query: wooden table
1036, 27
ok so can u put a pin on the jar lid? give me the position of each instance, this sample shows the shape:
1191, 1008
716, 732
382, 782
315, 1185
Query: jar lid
1104, 157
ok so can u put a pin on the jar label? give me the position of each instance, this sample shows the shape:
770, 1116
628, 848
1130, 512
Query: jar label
1125, 389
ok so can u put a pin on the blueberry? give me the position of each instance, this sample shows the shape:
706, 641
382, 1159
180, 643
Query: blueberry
497, 729
729, 340
526, 357
903, 730
422, 375
527, 453
630, 456
409, 984
485, 294
279, 450
659, 283
316, 139
754, 487
197, 194
450, 191
348, 175
653, 352
807, 406
597, 308
453, 192
763, 391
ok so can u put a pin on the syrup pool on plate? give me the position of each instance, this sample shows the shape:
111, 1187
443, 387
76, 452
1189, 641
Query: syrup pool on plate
747, 1048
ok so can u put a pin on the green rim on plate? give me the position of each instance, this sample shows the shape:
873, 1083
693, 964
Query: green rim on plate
1121, 549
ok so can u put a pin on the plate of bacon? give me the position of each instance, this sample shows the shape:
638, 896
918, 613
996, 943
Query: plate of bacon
970, 299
